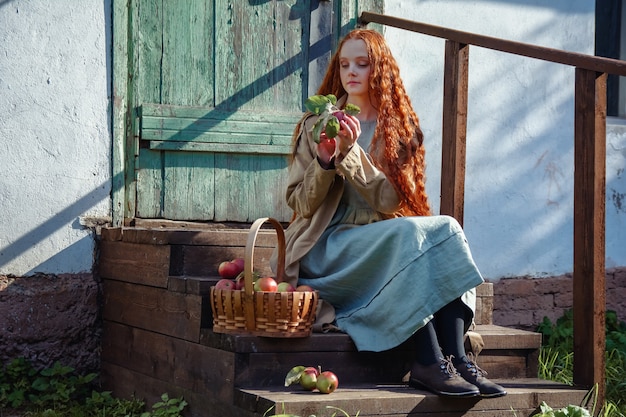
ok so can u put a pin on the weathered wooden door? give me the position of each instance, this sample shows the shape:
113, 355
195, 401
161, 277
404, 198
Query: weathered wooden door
206, 95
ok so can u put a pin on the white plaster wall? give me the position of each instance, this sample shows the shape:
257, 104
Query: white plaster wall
55, 136
519, 185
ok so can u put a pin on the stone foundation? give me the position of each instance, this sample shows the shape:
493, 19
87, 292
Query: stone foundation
523, 302
48, 318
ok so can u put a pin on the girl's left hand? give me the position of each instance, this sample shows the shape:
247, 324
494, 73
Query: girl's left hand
349, 132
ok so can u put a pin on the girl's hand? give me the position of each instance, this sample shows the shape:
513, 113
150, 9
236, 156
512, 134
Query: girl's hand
326, 150
349, 132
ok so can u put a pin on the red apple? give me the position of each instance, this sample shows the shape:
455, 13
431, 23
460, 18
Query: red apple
225, 284
240, 264
326, 148
285, 287
304, 288
308, 378
240, 282
327, 382
266, 284
339, 114
228, 269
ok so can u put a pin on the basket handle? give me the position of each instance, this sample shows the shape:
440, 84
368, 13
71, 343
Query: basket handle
249, 264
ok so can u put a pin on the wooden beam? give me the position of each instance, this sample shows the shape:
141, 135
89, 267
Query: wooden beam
120, 110
454, 129
575, 59
589, 227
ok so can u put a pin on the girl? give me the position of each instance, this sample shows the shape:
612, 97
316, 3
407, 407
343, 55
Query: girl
363, 234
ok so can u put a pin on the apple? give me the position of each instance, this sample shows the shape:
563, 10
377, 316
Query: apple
304, 288
285, 287
326, 149
265, 284
240, 282
308, 378
327, 382
339, 114
240, 263
228, 269
225, 284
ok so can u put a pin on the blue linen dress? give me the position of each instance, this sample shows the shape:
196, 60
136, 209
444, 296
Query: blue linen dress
386, 278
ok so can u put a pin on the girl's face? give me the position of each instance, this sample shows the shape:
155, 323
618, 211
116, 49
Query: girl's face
354, 67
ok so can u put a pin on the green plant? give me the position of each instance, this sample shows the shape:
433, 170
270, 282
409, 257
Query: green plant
167, 407
60, 392
556, 358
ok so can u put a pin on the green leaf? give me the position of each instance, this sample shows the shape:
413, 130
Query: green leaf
332, 99
316, 104
294, 374
317, 130
332, 127
352, 109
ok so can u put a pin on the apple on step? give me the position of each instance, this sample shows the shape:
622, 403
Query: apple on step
327, 382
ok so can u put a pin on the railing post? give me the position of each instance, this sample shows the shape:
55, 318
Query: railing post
589, 223
454, 129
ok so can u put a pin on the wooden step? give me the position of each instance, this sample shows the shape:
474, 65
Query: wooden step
395, 400
264, 362
158, 338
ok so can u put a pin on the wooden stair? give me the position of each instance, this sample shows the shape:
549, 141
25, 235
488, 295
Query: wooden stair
157, 338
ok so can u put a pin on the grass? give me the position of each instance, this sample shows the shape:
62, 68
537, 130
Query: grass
556, 359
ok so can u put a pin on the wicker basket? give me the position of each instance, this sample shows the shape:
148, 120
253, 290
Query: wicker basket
262, 313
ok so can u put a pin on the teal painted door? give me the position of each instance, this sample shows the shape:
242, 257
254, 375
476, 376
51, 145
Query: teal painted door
212, 90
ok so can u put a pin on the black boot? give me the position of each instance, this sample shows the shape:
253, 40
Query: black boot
476, 376
442, 379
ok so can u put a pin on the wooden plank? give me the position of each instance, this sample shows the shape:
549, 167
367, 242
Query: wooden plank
257, 370
495, 338
454, 130
159, 232
149, 184
147, 53
524, 396
159, 310
120, 122
128, 384
131, 262
188, 185
575, 59
187, 58
204, 260
589, 227
208, 146
211, 125
260, 72
190, 366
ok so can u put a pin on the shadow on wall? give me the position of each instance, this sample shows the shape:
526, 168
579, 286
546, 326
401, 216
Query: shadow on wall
67, 216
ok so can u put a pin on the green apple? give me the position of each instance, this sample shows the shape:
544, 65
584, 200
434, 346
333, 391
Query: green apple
308, 378
327, 382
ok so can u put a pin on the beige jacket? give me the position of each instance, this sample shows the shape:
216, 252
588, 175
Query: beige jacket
314, 194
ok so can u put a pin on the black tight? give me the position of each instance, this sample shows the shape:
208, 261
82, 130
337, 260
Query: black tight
443, 335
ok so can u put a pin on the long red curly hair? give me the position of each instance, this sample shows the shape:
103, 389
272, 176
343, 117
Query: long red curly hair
397, 147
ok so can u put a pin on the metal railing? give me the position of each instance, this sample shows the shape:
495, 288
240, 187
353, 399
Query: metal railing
589, 290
